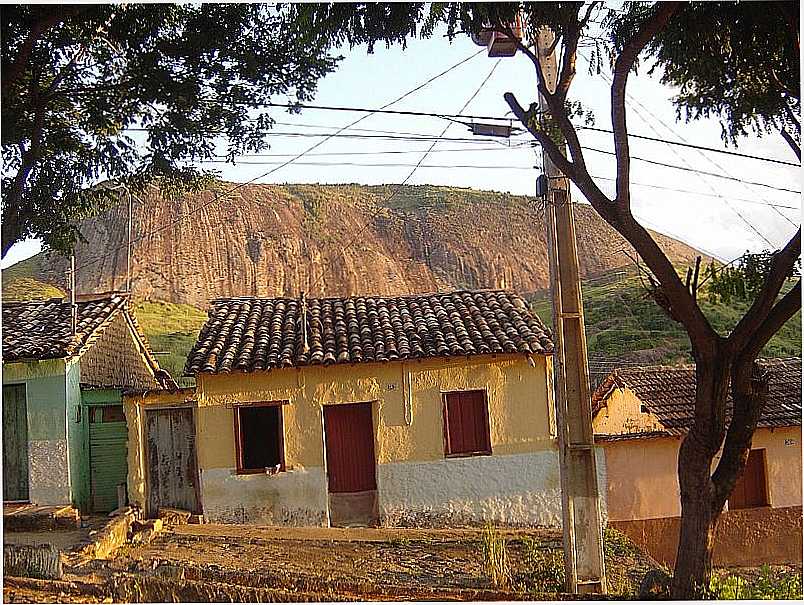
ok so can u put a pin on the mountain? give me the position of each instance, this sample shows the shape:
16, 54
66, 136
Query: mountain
280, 240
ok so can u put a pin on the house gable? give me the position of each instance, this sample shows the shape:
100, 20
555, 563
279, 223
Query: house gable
117, 358
622, 412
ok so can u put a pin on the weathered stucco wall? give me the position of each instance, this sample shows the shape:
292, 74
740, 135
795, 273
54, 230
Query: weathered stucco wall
643, 480
743, 538
623, 414
46, 398
517, 484
78, 450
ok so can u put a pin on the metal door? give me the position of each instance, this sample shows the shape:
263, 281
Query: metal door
107, 455
172, 470
15, 443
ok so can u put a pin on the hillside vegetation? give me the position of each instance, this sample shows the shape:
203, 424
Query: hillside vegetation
623, 322
171, 330
19, 283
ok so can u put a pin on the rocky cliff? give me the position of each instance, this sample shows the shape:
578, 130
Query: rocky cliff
267, 240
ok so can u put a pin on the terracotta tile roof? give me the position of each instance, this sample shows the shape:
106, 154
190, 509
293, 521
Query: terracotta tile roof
248, 334
39, 330
42, 329
669, 393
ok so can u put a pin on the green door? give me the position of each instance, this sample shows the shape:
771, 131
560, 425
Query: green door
107, 455
15, 443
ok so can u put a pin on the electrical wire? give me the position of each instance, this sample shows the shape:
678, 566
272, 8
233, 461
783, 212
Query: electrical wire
383, 204
486, 167
706, 157
508, 119
750, 225
696, 171
290, 161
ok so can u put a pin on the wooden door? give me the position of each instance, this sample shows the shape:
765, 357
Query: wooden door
351, 465
751, 490
172, 470
15, 443
108, 465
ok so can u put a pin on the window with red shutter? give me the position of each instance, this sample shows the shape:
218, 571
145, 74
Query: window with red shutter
751, 490
466, 424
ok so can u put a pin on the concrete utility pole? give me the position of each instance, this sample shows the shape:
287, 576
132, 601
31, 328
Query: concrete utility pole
583, 537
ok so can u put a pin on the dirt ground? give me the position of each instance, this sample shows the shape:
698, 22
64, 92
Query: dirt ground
213, 563
332, 564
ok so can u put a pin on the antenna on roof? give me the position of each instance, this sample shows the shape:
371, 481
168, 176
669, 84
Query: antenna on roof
73, 306
303, 301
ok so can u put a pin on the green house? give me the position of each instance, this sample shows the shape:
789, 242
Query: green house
64, 431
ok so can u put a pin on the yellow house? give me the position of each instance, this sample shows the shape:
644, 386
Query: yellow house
640, 416
418, 410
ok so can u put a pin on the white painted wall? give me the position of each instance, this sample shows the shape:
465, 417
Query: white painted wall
294, 497
48, 472
517, 489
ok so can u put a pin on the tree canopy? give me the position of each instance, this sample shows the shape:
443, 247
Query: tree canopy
134, 93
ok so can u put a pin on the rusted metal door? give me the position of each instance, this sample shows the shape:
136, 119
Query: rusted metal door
350, 448
15, 443
172, 470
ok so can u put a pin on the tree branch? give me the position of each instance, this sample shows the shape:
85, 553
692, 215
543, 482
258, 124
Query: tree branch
791, 142
749, 388
622, 68
753, 320
782, 311
17, 67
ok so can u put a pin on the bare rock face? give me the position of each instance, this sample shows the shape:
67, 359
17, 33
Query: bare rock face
331, 240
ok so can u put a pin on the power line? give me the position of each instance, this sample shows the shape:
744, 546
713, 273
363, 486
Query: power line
429, 138
508, 119
695, 170
750, 225
339, 135
482, 167
698, 147
707, 158
309, 149
398, 188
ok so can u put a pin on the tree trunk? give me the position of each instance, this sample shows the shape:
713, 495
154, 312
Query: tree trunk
699, 514
698, 521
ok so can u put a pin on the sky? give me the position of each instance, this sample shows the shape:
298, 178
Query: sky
721, 217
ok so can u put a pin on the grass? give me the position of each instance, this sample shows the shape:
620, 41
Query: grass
620, 320
171, 330
495, 558
19, 283
766, 583
543, 566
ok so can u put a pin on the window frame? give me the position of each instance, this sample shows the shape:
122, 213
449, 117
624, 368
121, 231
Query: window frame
445, 424
240, 470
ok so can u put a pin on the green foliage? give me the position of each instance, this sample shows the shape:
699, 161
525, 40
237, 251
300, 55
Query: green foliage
27, 288
742, 280
185, 74
171, 329
495, 557
544, 568
738, 61
769, 583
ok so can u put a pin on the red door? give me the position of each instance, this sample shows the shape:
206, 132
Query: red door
350, 448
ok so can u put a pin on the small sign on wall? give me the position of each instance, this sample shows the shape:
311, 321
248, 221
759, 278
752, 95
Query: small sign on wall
789, 441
